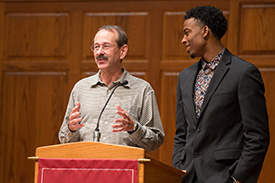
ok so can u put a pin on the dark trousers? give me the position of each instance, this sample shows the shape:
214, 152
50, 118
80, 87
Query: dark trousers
195, 179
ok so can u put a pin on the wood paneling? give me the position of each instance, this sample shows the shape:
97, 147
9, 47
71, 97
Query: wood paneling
45, 50
257, 29
172, 36
35, 35
33, 104
268, 75
168, 111
2, 18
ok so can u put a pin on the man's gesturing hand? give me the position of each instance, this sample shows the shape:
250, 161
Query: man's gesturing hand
126, 123
75, 119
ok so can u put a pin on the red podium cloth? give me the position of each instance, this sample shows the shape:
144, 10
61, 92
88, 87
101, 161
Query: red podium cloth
51, 170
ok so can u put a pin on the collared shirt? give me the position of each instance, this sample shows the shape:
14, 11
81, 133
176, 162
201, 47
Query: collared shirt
137, 98
203, 80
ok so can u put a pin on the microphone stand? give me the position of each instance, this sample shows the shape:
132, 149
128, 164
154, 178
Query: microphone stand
97, 134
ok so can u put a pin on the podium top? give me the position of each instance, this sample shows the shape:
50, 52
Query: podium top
90, 150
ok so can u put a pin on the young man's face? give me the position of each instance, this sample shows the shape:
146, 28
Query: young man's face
194, 37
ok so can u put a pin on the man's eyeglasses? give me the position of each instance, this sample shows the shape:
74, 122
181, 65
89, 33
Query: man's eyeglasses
105, 47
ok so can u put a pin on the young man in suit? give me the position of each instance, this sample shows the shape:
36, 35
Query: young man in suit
222, 125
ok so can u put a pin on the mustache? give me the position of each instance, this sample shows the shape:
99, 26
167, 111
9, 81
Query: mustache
105, 57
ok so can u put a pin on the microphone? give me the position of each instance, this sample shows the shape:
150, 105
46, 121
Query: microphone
97, 134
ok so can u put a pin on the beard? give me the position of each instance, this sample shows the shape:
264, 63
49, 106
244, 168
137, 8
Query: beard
192, 56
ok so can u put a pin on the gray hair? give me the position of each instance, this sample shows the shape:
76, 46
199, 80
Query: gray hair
122, 37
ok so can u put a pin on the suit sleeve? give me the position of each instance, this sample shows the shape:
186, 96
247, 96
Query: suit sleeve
255, 125
180, 136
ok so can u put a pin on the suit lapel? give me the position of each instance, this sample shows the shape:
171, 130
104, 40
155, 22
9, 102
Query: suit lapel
217, 78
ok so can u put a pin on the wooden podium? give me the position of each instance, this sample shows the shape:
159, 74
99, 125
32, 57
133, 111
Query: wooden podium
150, 169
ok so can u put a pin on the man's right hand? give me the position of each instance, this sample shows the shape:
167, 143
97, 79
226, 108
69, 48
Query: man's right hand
75, 119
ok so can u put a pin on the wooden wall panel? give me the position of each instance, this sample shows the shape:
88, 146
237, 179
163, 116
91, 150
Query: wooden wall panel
36, 35
172, 36
267, 174
36, 41
168, 111
34, 81
33, 104
257, 29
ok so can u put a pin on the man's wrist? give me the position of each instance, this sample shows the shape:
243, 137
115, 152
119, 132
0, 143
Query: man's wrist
135, 128
70, 129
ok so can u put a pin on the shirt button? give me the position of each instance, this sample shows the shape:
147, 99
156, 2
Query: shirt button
198, 130
196, 155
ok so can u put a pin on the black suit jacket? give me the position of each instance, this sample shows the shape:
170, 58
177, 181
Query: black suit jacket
231, 136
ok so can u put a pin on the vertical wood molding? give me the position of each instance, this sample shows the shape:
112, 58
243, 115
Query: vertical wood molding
233, 27
154, 51
168, 111
2, 27
154, 56
2, 30
75, 47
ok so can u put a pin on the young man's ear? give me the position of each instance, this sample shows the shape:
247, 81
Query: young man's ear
206, 31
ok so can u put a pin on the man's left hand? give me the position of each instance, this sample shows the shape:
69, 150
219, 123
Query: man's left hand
126, 123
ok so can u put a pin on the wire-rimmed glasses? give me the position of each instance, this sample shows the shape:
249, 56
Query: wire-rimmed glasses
105, 47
